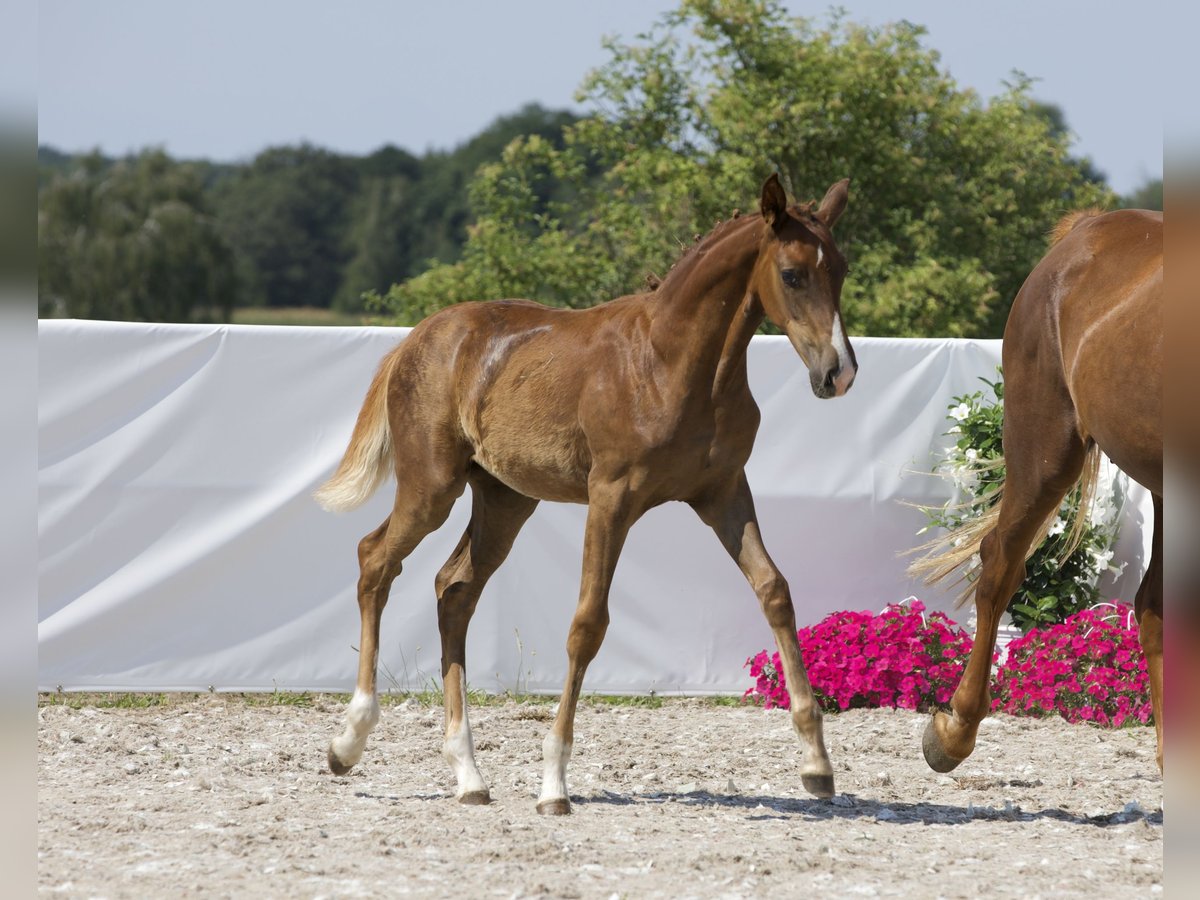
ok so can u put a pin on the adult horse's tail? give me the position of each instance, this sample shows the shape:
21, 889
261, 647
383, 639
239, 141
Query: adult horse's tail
368, 459
951, 551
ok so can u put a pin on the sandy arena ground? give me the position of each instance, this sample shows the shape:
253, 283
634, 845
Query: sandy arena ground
217, 797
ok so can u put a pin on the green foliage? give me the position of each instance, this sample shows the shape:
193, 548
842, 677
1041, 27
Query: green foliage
950, 196
1054, 587
286, 213
1148, 196
298, 227
131, 240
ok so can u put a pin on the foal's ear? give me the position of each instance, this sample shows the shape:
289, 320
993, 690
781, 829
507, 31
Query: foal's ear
773, 202
834, 203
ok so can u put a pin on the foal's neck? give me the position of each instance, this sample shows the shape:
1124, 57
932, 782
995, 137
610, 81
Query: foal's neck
704, 315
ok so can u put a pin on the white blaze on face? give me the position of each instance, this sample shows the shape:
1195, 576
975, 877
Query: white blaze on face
820, 255
838, 339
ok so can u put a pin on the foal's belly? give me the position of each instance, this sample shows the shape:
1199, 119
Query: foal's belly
544, 482
534, 459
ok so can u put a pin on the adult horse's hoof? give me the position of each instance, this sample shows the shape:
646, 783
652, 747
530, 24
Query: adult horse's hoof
559, 807
475, 798
336, 766
931, 745
818, 785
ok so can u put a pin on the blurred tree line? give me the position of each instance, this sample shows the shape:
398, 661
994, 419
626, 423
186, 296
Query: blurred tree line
151, 238
951, 196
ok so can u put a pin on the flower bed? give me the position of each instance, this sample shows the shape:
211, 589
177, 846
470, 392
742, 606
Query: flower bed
898, 658
1089, 668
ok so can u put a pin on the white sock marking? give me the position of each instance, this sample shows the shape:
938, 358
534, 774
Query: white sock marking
555, 753
459, 752
361, 717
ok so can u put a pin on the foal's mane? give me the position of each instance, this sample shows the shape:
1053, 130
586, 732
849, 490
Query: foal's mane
702, 243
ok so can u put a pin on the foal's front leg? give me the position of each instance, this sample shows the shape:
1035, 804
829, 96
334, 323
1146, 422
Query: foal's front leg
608, 522
731, 515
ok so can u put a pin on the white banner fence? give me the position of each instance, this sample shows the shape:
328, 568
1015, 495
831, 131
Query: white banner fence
180, 548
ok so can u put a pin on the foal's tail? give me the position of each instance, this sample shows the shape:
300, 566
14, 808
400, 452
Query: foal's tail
950, 551
367, 461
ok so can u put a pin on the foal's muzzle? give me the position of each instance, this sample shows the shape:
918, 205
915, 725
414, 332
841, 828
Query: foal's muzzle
833, 380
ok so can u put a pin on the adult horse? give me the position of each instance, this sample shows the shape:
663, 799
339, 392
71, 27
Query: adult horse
623, 406
1083, 356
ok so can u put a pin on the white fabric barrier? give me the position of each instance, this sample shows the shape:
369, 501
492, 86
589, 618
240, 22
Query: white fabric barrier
180, 548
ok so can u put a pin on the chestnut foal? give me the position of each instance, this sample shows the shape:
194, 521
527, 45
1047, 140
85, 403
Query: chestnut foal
623, 406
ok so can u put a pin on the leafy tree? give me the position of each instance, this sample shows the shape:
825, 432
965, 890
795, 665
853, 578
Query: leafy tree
1148, 196
131, 239
1056, 121
383, 233
287, 214
951, 196
439, 208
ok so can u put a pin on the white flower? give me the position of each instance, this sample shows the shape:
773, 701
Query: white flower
954, 429
960, 412
1059, 526
1100, 559
972, 454
965, 479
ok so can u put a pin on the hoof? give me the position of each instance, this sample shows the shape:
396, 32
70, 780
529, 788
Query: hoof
475, 798
931, 745
559, 807
818, 785
336, 766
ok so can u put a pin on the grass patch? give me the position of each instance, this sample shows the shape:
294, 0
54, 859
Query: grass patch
295, 315
110, 701
280, 698
307, 699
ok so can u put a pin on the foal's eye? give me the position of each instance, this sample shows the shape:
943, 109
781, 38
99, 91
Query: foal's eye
794, 278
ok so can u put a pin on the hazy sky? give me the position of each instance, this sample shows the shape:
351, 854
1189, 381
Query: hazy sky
225, 78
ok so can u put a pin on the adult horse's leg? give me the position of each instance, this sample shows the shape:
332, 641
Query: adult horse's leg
1044, 455
730, 513
497, 514
609, 518
1149, 610
423, 500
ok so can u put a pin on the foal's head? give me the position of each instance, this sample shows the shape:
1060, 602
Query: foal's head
798, 279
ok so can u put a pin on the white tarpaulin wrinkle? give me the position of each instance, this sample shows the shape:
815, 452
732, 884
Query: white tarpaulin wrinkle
180, 548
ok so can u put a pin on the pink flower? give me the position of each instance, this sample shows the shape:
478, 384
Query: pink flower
853, 659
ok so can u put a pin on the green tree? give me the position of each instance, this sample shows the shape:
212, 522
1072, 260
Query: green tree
131, 240
287, 214
950, 198
383, 234
1148, 196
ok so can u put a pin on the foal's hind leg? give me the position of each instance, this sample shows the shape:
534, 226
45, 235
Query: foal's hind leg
423, 501
497, 514
1149, 610
731, 515
1044, 455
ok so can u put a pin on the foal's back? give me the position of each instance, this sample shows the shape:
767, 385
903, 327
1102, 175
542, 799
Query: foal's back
523, 389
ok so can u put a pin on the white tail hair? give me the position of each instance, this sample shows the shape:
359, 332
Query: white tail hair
367, 461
